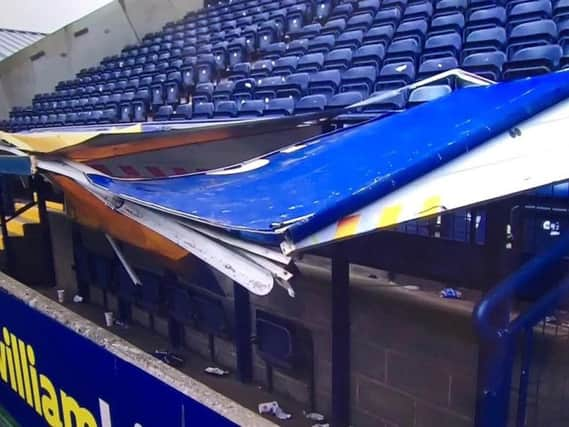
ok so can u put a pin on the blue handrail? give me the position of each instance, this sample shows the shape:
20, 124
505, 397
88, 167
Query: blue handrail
497, 332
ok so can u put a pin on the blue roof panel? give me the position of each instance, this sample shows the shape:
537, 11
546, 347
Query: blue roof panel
336, 174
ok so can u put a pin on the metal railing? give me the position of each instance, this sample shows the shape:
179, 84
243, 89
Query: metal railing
500, 333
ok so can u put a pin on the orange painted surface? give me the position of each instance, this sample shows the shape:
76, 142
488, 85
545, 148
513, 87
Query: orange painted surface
88, 210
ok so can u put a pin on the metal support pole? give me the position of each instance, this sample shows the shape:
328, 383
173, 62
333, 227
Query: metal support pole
4, 229
524, 378
243, 345
496, 356
46, 233
340, 288
83, 287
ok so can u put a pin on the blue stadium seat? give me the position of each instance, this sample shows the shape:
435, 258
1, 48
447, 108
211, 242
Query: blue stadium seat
427, 93
334, 27
279, 18
485, 40
203, 111
325, 82
268, 33
338, 59
164, 113
285, 66
219, 52
561, 10
381, 34
252, 108
203, 93
350, 39
442, 45
533, 33
140, 113
280, 107
321, 44
125, 108
296, 48
109, 116
267, 87
529, 11
415, 28
172, 90
223, 91
359, 22
448, 6
531, 61
205, 68
343, 11
297, 17
239, 71
403, 50
388, 16
453, 22
310, 63
435, 66
211, 317
244, 89
395, 75
344, 99
274, 50
295, 86
183, 112
237, 51
306, 32
248, 39
422, 9
225, 109
323, 9
262, 68
359, 79
369, 55
310, 104
188, 77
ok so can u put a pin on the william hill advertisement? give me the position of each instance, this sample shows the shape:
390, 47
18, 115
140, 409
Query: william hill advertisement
50, 376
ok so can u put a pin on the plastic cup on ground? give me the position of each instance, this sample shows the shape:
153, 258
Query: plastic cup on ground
109, 318
61, 296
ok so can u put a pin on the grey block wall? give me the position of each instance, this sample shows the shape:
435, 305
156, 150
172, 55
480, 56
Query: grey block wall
65, 53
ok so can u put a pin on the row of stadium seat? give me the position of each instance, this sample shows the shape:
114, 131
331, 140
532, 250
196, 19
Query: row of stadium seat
259, 50
135, 111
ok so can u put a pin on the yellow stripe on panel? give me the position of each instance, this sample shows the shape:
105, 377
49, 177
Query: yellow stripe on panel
347, 226
389, 216
431, 206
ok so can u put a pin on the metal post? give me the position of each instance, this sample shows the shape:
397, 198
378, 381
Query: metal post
4, 230
46, 233
496, 356
524, 378
83, 287
340, 288
243, 345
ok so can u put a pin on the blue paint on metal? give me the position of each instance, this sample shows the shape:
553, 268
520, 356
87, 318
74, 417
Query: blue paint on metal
339, 173
81, 369
497, 334
524, 378
15, 165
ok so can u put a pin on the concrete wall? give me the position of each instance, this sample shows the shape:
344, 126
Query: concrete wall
110, 28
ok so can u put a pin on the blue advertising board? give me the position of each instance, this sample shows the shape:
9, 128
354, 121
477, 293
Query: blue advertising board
50, 375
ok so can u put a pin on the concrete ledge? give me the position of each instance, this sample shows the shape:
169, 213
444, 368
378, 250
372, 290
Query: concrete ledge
124, 350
